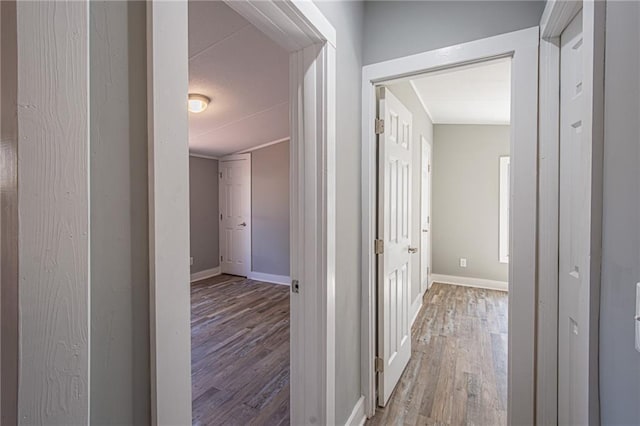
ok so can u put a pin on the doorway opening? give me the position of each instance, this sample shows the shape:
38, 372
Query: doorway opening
443, 222
520, 50
239, 174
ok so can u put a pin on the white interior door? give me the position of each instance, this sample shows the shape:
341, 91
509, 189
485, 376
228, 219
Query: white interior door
574, 244
425, 213
394, 225
235, 214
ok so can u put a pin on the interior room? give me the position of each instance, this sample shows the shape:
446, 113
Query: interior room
457, 130
239, 219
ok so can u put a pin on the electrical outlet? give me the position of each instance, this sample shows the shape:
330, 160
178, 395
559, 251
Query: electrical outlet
463, 262
191, 261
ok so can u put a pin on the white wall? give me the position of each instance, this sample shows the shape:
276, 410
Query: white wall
466, 195
422, 126
399, 28
347, 18
619, 362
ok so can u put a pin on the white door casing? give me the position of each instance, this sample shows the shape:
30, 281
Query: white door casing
425, 216
574, 237
235, 214
394, 225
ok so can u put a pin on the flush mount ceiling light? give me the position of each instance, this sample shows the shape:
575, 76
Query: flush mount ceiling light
198, 103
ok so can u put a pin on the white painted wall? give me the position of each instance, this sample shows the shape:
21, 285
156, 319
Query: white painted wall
619, 361
399, 28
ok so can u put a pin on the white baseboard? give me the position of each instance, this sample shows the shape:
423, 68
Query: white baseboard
207, 273
415, 309
357, 417
471, 282
269, 278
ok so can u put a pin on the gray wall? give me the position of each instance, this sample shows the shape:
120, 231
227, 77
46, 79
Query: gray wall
270, 251
465, 198
422, 126
204, 225
347, 18
119, 215
394, 29
619, 362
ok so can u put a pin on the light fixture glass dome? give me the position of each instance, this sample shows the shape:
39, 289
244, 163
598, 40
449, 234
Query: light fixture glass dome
197, 103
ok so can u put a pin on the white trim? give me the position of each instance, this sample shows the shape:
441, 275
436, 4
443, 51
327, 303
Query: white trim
555, 18
264, 145
303, 31
358, 416
207, 157
522, 47
207, 273
415, 308
471, 282
269, 278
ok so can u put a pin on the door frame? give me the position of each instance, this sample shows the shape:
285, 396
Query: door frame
522, 46
555, 18
247, 255
303, 30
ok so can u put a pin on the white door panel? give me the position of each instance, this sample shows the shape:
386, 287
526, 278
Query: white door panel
425, 212
235, 214
394, 224
575, 159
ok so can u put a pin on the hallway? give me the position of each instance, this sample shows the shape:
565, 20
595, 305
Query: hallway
457, 374
239, 352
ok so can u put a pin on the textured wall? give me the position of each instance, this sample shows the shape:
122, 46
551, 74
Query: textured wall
204, 213
270, 251
466, 199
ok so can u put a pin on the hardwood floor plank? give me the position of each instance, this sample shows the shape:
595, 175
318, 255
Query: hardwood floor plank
240, 352
457, 374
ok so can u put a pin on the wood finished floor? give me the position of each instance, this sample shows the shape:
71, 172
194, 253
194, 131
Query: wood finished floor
458, 369
239, 352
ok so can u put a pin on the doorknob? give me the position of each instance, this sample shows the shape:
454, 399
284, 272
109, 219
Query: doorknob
413, 249
243, 224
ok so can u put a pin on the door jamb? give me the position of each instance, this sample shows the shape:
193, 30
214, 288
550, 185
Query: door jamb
555, 18
522, 46
303, 30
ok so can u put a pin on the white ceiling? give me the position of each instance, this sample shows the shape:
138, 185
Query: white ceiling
246, 76
473, 94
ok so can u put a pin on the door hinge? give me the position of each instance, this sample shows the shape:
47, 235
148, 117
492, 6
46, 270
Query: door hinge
220, 258
220, 175
378, 246
379, 126
220, 216
429, 167
428, 219
379, 365
295, 286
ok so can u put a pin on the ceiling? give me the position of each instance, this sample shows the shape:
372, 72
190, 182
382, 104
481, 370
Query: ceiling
473, 94
246, 76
